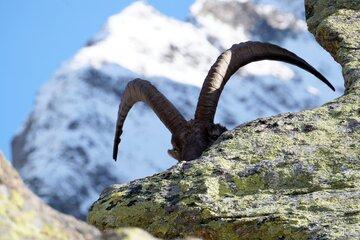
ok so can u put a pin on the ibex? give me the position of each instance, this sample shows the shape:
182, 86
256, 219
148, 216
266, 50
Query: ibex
190, 138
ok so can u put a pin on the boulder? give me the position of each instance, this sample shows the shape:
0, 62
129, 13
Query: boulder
129, 233
24, 216
291, 176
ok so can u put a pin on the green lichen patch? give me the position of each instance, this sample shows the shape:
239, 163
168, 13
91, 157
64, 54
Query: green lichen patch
292, 185
25, 216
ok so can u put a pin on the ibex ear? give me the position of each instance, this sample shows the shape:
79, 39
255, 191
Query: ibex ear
215, 130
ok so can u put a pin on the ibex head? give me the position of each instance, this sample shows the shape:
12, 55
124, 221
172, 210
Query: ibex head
195, 137
191, 138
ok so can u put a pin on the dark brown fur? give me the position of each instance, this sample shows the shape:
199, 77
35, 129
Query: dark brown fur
195, 138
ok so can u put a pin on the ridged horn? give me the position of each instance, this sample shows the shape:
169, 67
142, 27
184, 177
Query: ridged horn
142, 90
234, 58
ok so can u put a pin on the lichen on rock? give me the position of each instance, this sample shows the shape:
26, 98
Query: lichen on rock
336, 26
24, 216
128, 234
291, 176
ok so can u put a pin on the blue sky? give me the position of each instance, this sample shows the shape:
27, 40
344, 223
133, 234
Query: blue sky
37, 36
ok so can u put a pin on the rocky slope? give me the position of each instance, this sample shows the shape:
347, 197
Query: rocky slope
292, 176
64, 150
24, 216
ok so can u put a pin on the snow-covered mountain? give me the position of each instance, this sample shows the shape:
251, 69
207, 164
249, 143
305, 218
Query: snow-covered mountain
64, 150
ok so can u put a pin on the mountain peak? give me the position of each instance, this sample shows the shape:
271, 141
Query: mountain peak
145, 41
138, 8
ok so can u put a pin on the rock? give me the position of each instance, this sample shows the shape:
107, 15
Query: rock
336, 26
291, 176
131, 233
24, 216
128, 234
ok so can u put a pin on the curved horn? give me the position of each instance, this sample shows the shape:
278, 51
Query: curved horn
142, 90
234, 58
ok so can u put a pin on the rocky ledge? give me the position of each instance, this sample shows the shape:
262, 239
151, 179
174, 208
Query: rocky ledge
292, 176
24, 216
